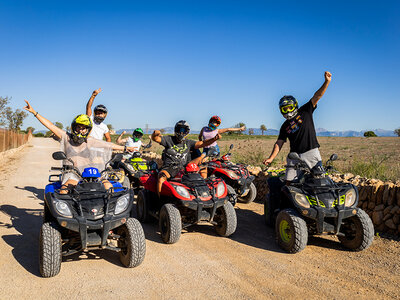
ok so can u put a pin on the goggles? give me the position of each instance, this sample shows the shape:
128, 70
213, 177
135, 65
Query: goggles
287, 108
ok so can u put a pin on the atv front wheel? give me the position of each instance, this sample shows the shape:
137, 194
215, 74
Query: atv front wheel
358, 232
251, 195
142, 206
132, 243
226, 220
231, 194
170, 223
291, 231
49, 250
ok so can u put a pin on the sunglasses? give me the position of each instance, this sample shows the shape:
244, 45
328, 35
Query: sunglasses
287, 108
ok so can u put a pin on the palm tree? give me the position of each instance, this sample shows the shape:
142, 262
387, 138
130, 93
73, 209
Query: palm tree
263, 128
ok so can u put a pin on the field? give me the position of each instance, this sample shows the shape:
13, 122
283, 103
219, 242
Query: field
377, 157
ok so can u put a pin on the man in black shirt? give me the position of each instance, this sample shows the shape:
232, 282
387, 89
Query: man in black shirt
177, 150
299, 129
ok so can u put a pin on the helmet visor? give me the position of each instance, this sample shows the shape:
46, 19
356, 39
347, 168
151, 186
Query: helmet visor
287, 108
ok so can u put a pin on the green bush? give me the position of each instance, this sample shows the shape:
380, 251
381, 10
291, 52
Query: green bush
39, 134
369, 134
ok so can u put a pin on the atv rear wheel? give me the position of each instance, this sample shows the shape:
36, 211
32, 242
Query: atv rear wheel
142, 206
358, 231
170, 223
251, 195
49, 250
231, 194
226, 219
132, 243
291, 231
269, 210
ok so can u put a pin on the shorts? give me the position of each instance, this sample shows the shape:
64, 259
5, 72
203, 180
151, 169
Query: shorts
69, 175
311, 157
172, 170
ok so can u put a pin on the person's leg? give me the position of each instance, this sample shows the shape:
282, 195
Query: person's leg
162, 176
311, 157
291, 173
107, 184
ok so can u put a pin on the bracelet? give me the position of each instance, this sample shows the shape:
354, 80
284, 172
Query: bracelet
124, 148
36, 114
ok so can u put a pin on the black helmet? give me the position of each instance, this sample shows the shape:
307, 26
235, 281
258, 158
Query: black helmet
99, 108
288, 107
182, 129
76, 136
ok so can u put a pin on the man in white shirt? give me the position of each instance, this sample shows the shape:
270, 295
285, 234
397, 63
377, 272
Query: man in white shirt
100, 112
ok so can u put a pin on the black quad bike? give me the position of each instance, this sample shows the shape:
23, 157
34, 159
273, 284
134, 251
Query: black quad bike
314, 204
89, 217
236, 176
185, 200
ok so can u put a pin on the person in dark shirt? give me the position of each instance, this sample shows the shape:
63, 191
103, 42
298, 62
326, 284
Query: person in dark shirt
299, 129
177, 150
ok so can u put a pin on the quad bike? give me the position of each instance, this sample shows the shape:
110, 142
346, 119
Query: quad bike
314, 204
236, 176
88, 218
185, 200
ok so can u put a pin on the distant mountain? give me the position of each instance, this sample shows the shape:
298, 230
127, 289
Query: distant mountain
257, 131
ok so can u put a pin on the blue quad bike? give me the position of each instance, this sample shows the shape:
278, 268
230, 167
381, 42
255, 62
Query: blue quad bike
89, 217
314, 204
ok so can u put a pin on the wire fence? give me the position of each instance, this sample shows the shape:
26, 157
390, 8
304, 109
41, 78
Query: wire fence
10, 139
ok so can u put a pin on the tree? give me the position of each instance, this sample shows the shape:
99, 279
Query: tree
369, 134
251, 131
31, 129
68, 128
110, 127
162, 131
263, 128
3, 105
15, 118
48, 134
59, 125
397, 131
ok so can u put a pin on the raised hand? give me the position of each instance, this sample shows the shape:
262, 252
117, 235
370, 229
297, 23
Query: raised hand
29, 108
96, 92
328, 76
242, 128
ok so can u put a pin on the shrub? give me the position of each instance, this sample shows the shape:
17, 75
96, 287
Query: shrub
369, 134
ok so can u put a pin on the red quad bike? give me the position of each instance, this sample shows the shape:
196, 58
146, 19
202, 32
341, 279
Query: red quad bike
236, 176
185, 200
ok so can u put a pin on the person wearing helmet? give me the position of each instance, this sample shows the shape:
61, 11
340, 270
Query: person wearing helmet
135, 141
100, 129
299, 129
83, 150
176, 150
211, 130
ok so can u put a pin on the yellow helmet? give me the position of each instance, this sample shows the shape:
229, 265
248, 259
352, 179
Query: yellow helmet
84, 120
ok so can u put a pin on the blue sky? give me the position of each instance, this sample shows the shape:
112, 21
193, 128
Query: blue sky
161, 61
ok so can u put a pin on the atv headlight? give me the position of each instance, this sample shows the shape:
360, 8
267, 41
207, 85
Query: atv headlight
122, 204
62, 208
232, 174
182, 191
220, 189
301, 200
350, 198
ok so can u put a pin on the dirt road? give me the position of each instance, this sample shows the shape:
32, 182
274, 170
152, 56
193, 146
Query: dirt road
249, 265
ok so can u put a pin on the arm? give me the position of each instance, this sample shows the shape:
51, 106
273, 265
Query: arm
223, 130
90, 103
275, 150
53, 128
201, 144
156, 136
122, 148
318, 94
201, 135
108, 136
120, 140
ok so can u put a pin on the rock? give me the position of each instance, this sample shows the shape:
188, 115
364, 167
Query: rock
392, 196
371, 205
254, 170
377, 217
385, 196
347, 176
398, 196
379, 194
395, 210
379, 207
381, 227
389, 223
364, 205
396, 219
387, 217
362, 192
387, 210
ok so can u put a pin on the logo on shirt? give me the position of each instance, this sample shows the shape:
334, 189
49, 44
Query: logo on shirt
294, 124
